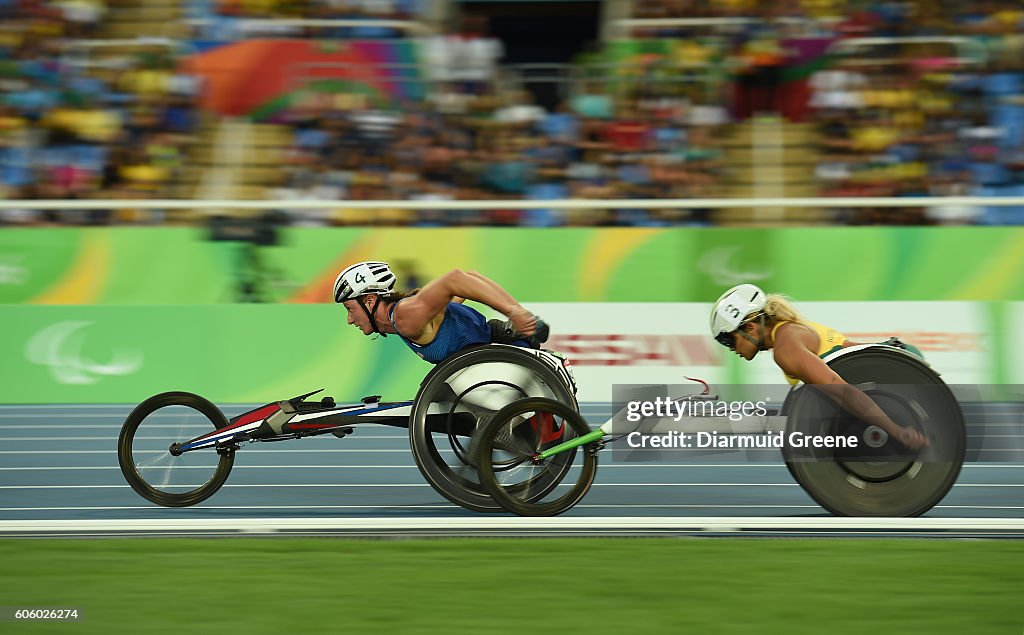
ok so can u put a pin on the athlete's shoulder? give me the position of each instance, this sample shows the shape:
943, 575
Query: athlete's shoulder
788, 334
409, 317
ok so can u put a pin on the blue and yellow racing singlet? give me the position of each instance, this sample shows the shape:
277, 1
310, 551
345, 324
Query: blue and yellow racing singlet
461, 327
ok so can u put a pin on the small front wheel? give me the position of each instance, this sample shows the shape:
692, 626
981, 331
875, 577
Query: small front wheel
511, 466
144, 450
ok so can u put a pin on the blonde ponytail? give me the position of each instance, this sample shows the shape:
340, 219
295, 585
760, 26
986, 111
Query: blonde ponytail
779, 308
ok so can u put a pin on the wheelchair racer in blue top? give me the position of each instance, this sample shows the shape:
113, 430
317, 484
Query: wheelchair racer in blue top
433, 322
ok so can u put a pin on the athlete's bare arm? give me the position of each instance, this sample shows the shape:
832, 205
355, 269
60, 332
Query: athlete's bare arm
414, 313
793, 350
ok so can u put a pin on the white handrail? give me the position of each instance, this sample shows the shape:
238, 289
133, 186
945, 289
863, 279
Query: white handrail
258, 24
128, 41
693, 203
79, 52
638, 23
967, 48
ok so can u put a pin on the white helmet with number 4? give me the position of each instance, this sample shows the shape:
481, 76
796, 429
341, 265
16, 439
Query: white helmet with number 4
363, 278
734, 306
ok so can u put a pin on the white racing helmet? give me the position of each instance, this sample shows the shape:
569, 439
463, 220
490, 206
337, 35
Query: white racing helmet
363, 278
733, 308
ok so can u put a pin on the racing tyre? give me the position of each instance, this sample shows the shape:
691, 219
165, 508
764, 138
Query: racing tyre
878, 477
459, 396
509, 463
143, 450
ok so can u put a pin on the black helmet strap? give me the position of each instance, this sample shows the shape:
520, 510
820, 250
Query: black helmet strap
370, 315
759, 342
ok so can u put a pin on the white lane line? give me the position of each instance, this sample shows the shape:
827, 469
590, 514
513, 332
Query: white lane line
228, 507
114, 451
400, 436
978, 507
486, 522
104, 426
110, 439
212, 466
7, 417
1015, 424
181, 486
447, 506
113, 439
290, 467
154, 422
1013, 421
64, 426
349, 467
78, 415
604, 466
294, 485
61, 406
6, 409
439, 506
596, 408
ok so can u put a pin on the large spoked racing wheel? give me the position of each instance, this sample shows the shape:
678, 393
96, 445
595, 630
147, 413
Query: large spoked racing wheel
511, 465
878, 477
460, 395
144, 450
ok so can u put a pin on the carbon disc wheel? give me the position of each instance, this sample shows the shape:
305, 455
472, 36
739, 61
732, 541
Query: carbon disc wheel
878, 477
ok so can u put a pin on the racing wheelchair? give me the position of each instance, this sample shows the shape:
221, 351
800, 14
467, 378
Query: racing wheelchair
453, 401
878, 477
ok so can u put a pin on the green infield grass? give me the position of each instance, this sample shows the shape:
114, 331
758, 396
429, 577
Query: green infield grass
228, 586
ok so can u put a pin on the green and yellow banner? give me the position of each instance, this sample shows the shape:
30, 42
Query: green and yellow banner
96, 315
179, 266
235, 353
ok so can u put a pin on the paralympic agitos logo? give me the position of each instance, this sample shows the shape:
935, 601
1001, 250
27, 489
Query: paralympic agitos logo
59, 347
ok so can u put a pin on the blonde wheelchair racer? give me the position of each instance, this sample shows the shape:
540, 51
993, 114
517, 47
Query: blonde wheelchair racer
748, 321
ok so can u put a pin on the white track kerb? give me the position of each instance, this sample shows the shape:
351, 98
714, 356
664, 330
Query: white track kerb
486, 525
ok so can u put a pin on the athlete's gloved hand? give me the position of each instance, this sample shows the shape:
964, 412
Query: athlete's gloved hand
524, 322
540, 334
911, 438
508, 331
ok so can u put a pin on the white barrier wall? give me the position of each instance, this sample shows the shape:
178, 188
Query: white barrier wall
662, 343
633, 343
955, 337
1012, 346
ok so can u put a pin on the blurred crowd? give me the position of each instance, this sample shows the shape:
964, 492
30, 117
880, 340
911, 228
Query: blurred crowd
923, 127
79, 123
938, 112
928, 118
478, 149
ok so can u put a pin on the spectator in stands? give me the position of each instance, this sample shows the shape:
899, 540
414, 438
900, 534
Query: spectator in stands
925, 121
